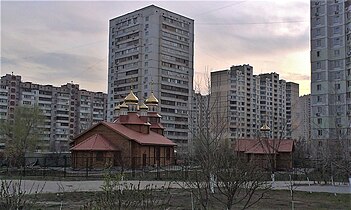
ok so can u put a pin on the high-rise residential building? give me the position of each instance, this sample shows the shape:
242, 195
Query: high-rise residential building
330, 72
3, 101
199, 116
248, 101
67, 109
151, 49
234, 98
292, 110
272, 100
304, 119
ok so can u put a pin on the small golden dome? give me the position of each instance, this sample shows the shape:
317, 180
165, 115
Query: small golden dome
143, 106
131, 98
152, 99
124, 105
265, 128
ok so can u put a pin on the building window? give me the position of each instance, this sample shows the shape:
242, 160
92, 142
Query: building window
147, 18
338, 98
319, 109
318, 53
320, 132
319, 87
336, 19
319, 121
319, 99
168, 153
318, 31
336, 52
319, 43
318, 65
99, 156
318, 21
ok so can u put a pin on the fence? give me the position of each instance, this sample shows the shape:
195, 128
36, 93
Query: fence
160, 168
92, 168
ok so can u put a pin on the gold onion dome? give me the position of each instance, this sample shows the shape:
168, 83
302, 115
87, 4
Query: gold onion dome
143, 106
123, 105
152, 99
265, 128
131, 97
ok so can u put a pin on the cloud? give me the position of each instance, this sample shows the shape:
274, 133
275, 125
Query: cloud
62, 41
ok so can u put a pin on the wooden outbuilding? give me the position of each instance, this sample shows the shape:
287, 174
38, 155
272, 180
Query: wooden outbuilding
267, 153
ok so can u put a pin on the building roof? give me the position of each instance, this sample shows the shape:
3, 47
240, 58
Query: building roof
157, 125
143, 106
123, 105
152, 138
131, 98
134, 119
151, 99
263, 146
95, 142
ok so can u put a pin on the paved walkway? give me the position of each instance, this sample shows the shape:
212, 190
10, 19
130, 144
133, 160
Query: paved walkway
31, 186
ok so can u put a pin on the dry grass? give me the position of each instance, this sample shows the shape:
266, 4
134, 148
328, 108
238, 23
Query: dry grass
277, 199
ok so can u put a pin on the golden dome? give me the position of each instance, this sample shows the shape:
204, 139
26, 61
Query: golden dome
152, 99
265, 128
143, 106
131, 98
124, 105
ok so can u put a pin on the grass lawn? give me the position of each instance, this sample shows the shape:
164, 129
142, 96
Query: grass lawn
277, 199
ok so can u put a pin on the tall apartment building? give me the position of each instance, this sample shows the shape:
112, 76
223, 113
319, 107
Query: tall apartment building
292, 110
3, 102
304, 119
151, 49
272, 100
199, 116
248, 101
234, 97
67, 110
330, 72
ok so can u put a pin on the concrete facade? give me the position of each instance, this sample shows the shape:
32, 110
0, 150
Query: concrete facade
304, 119
151, 49
292, 110
331, 72
67, 109
247, 101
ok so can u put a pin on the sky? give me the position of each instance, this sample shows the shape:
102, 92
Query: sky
56, 42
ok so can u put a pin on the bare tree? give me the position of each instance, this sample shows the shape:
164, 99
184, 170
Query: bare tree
120, 195
238, 180
215, 173
22, 133
13, 196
